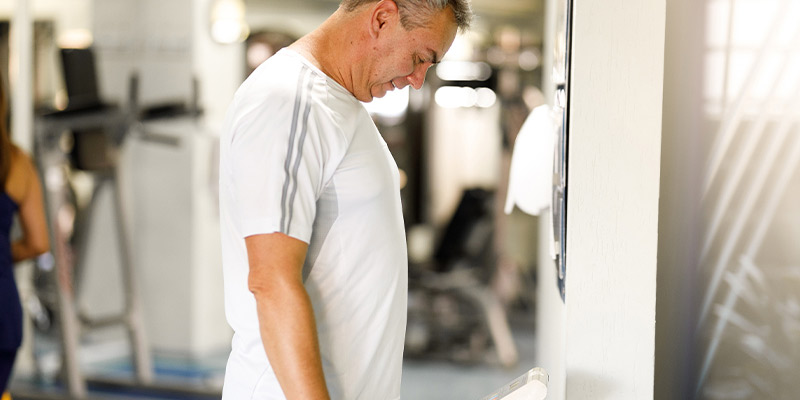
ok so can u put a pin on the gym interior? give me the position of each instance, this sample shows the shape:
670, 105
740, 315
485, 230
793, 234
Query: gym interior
599, 196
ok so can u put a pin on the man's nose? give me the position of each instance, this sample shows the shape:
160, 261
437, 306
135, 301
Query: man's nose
417, 78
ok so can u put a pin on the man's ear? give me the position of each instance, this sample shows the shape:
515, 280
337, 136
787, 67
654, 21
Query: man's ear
384, 14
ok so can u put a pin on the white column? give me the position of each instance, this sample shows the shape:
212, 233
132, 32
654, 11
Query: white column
681, 217
20, 94
21, 75
613, 182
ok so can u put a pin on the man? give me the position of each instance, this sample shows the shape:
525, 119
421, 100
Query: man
314, 254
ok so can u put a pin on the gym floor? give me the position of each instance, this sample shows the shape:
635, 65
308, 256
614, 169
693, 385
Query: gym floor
423, 379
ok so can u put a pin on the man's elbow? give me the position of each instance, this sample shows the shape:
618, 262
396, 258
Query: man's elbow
273, 288
257, 289
260, 287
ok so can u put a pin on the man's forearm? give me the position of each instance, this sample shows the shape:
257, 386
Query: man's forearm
288, 332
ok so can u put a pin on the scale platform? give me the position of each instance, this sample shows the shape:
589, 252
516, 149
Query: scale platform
530, 386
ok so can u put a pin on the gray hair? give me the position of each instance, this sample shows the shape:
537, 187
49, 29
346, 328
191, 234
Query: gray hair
416, 13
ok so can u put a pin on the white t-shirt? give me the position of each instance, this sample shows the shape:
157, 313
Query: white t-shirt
300, 155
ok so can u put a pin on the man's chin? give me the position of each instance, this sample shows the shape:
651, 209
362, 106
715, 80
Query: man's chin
366, 98
380, 91
378, 95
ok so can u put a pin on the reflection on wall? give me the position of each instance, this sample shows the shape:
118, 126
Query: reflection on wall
748, 305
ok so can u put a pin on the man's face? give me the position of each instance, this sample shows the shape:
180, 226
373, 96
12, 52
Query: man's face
404, 56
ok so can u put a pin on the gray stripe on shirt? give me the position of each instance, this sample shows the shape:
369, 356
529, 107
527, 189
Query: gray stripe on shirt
300, 148
284, 227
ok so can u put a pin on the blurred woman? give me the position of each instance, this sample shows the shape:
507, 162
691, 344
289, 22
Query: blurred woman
21, 194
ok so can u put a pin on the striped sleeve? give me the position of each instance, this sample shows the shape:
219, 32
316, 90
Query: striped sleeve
278, 154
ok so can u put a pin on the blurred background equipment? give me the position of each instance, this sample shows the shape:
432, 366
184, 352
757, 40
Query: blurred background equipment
78, 148
453, 314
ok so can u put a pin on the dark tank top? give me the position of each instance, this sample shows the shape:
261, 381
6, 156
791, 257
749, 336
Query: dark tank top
10, 309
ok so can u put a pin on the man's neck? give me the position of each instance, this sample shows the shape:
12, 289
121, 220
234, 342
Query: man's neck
331, 48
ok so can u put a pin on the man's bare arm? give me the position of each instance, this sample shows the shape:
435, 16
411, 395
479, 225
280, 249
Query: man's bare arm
285, 315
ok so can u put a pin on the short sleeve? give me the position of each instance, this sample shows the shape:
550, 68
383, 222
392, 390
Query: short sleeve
279, 150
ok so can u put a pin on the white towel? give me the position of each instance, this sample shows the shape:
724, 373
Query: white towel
530, 181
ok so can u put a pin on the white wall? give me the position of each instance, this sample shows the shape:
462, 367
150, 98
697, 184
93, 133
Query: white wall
613, 189
219, 68
168, 44
294, 19
153, 38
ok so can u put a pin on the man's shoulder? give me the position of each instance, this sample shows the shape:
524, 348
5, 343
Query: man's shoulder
278, 75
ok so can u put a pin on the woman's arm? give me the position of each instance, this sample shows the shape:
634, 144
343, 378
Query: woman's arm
34, 240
